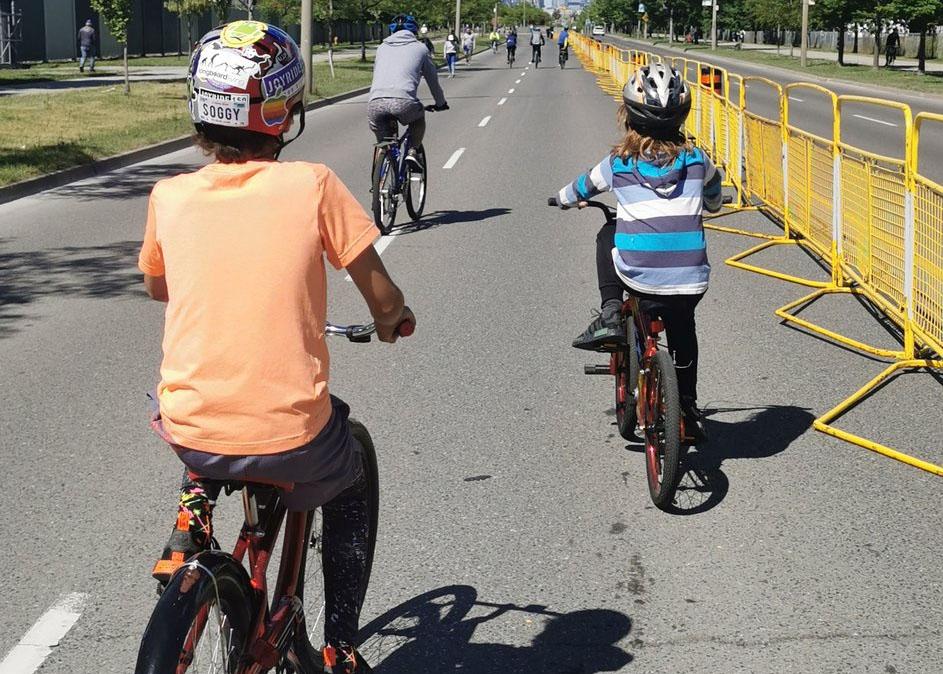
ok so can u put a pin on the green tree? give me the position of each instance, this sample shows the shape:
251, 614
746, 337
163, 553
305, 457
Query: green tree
836, 15
919, 15
186, 10
116, 14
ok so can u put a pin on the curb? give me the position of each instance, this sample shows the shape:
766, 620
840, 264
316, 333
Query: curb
890, 92
31, 186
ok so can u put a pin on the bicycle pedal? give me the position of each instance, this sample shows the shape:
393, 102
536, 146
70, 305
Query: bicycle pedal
597, 369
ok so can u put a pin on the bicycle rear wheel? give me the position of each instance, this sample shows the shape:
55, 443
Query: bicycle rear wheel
384, 192
627, 370
311, 637
202, 620
663, 429
416, 180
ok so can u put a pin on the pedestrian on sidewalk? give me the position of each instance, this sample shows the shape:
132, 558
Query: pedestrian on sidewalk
450, 49
891, 47
468, 44
87, 46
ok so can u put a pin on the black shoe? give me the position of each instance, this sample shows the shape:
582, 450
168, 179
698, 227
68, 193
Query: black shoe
605, 333
694, 431
344, 659
413, 159
81, 69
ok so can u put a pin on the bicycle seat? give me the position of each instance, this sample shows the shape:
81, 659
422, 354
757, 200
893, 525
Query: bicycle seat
236, 485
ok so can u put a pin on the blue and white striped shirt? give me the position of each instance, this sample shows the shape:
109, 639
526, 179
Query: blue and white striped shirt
659, 245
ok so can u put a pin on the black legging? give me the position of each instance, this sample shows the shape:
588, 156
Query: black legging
677, 312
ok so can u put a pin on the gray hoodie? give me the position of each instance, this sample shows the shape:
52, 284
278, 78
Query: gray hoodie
401, 60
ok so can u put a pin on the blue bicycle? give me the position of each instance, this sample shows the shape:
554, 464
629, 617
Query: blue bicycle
396, 176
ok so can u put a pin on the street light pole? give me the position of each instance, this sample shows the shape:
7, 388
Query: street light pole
714, 24
306, 45
804, 44
458, 18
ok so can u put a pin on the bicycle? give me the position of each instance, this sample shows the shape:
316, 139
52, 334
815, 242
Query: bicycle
564, 54
494, 46
537, 57
394, 176
890, 55
646, 390
214, 614
511, 53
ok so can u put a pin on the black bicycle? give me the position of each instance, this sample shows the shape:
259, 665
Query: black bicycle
397, 173
214, 616
511, 53
564, 55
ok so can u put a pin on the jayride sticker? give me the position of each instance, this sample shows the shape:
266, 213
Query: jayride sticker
222, 109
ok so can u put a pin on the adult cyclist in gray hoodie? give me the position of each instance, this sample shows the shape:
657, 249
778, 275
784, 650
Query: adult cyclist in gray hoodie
401, 61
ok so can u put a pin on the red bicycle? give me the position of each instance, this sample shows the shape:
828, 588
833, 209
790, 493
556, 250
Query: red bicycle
646, 390
214, 616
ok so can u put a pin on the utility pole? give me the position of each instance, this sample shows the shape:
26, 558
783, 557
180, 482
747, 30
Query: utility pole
306, 45
714, 24
458, 19
804, 42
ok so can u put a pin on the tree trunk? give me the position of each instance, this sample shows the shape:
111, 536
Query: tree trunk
127, 80
189, 41
363, 33
841, 45
855, 49
922, 51
330, 37
876, 63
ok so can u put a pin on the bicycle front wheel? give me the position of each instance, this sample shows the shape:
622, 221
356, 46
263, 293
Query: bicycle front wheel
314, 604
384, 192
662, 429
201, 622
416, 180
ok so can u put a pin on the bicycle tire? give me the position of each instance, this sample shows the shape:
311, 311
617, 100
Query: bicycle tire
307, 644
383, 183
415, 209
663, 430
212, 578
627, 371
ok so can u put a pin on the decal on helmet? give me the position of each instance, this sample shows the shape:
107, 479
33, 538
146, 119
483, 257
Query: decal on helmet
287, 80
214, 107
242, 33
274, 109
224, 67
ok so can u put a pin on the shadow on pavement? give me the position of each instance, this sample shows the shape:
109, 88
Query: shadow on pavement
127, 183
433, 632
46, 158
439, 218
95, 272
768, 431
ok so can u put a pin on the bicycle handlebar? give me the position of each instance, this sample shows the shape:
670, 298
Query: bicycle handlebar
361, 334
608, 210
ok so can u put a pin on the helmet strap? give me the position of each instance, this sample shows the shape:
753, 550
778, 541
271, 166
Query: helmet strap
282, 143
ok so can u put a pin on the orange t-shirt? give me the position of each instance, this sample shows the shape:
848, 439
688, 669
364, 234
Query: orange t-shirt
242, 248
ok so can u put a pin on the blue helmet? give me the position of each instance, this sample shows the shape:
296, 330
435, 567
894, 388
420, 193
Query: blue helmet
405, 22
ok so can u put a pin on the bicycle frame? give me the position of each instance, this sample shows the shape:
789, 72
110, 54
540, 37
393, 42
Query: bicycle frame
647, 332
273, 625
397, 149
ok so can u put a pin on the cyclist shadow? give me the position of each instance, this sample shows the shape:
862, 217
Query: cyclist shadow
768, 431
433, 631
451, 217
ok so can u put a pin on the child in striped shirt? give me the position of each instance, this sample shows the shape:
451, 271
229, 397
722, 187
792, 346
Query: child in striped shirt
656, 249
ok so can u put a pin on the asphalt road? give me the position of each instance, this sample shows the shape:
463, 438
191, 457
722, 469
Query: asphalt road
504, 482
870, 127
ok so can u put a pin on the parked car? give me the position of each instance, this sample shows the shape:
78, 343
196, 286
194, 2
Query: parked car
599, 29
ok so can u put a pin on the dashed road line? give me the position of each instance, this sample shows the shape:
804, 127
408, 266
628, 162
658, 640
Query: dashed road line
517, 81
510, 91
485, 121
876, 121
45, 634
454, 158
797, 100
503, 101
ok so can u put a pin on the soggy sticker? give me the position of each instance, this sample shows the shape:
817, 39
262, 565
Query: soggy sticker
222, 109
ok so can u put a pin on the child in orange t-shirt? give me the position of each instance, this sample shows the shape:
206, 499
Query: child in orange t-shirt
237, 251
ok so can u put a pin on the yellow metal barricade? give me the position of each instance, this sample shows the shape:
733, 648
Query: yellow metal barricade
734, 120
927, 305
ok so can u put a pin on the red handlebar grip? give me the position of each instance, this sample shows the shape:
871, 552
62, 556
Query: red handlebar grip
406, 328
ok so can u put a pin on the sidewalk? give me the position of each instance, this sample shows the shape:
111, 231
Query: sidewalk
934, 65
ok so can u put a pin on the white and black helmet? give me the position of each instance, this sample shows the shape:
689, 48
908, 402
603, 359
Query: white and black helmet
658, 99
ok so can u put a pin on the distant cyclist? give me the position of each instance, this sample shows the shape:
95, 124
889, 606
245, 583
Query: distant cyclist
495, 37
536, 42
511, 44
237, 250
424, 38
563, 39
401, 61
549, 32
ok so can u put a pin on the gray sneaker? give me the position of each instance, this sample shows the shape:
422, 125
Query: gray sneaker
605, 333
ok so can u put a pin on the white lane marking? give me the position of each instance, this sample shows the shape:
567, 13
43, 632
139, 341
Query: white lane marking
379, 246
510, 91
45, 634
503, 101
876, 121
453, 160
797, 100
485, 121
517, 81
523, 73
